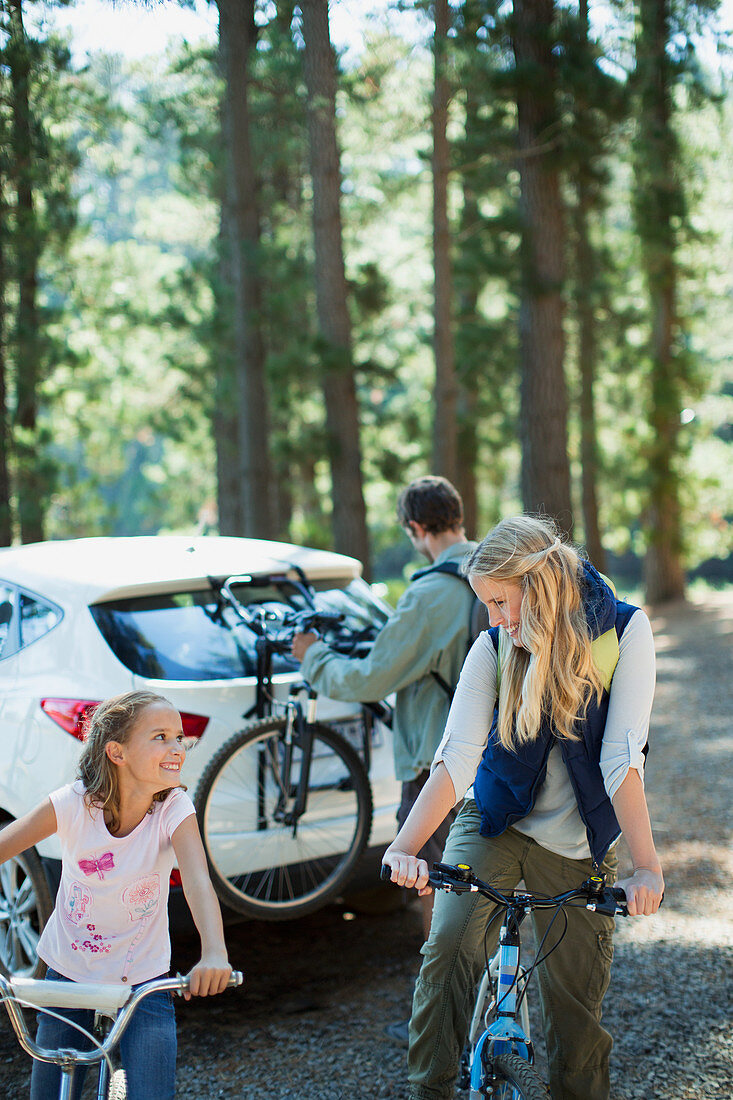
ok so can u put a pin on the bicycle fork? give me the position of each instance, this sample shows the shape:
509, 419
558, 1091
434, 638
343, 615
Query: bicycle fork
298, 731
506, 1033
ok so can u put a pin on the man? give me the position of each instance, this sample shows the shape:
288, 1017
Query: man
427, 634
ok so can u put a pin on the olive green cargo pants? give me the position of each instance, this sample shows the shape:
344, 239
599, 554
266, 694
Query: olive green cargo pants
572, 981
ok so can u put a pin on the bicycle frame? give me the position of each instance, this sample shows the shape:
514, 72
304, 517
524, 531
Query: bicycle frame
481, 1008
116, 1003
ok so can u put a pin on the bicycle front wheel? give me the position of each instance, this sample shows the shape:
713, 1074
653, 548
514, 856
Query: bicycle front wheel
515, 1079
266, 861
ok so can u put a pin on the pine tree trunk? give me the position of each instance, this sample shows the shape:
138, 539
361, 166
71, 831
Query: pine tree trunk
586, 275
339, 385
30, 487
587, 356
658, 202
445, 426
225, 420
543, 407
468, 377
237, 41
6, 530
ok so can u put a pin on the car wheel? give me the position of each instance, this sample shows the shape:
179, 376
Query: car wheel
25, 906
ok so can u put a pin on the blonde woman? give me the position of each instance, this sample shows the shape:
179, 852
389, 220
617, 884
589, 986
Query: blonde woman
544, 746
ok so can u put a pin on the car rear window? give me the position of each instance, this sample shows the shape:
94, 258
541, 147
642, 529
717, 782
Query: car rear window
188, 636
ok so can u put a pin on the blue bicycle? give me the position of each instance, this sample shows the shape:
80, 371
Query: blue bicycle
498, 1059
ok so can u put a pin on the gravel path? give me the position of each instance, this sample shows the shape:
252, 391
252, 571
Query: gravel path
308, 1024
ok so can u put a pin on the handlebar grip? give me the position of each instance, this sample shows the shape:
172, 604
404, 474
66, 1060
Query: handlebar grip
620, 895
385, 872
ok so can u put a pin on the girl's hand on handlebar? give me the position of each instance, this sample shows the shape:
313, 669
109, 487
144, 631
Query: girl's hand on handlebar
301, 644
408, 871
644, 891
208, 977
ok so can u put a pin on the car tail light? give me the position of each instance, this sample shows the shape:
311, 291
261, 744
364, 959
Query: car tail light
73, 715
175, 879
193, 724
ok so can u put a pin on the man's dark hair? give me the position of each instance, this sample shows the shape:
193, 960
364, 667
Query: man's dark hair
432, 502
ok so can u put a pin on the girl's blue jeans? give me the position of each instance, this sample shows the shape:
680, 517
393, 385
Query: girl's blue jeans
147, 1048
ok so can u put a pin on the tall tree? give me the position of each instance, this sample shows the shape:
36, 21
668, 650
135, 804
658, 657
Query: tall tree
237, 35
339, 385
586, 272
660, 208
486, 254
596, 103
31, 492
543, 413
445, 428
226, 421
6, 527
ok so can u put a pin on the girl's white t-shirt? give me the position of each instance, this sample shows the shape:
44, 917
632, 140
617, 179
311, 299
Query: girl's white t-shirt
110, 923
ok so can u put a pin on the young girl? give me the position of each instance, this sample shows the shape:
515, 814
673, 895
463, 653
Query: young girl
547, 729
122, 825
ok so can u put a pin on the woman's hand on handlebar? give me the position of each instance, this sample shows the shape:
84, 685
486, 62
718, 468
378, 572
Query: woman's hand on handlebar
644, 891
301, 644
408, 871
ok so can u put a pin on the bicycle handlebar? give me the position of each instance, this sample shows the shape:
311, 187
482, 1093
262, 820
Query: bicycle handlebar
117, 1001
599, 898
305, 621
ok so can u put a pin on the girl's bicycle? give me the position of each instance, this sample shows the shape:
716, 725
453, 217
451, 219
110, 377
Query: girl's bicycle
113, 1006
498, 1059
285, 806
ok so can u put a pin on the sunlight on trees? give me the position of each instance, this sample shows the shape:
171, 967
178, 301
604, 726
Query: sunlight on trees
253, 289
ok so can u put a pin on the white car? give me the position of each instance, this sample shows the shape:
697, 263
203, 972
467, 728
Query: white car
85, 619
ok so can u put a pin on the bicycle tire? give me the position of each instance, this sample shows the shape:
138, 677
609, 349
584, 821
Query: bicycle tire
290, 872
118, 1086
516, 1079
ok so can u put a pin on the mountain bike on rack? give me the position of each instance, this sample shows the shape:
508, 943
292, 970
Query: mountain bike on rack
498, 1059
285, 806
113, 1006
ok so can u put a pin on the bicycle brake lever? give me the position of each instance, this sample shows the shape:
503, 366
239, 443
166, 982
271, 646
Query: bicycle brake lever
440, 881
610, 902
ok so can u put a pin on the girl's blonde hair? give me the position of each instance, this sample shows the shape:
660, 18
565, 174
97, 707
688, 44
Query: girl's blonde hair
112, 720
553, 674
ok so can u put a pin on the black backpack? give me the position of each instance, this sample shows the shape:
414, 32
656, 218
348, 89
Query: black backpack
478, 618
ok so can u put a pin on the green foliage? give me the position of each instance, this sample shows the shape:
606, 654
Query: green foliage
134, 298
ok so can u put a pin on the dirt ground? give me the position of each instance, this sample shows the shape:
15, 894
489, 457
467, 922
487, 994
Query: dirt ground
308, 1024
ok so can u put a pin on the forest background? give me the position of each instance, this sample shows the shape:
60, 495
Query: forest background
253, 285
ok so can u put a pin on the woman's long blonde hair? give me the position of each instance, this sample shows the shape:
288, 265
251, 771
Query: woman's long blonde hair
553, 674
111, 720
